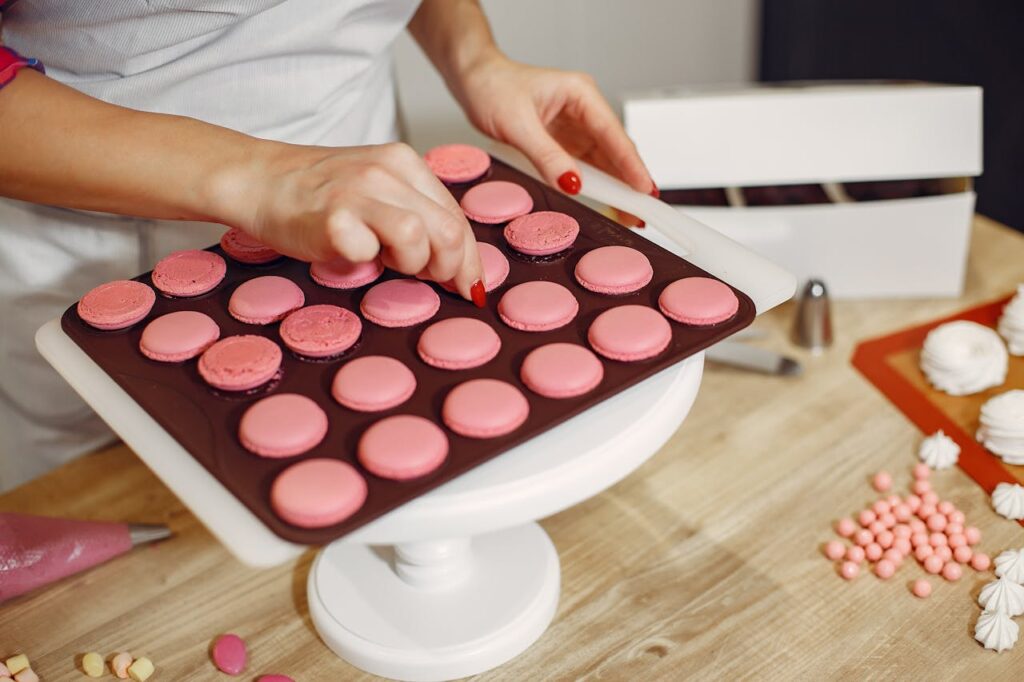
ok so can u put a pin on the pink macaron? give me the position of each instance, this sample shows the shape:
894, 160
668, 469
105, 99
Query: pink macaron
341, 273
484, 408
538, 306
320, 331
373, 383
189, 273
402, 447
178, 336
455, 163
116, 305
317, 492
240, 363
262, 300
542, 233
282, 425
629, 333
495, 264
561, 370
400, 303
496, 202
458, 343
246, 249
614, 270
698, 301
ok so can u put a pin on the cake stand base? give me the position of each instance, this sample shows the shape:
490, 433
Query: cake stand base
435, 610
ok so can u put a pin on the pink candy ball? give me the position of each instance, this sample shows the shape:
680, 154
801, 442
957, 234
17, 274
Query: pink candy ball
921, 471
855, 554
902, 512
885, 569
834, 550
972, 534
882, 481
919, 540
930, 497
921, 486
957, 540
923, 552
893, 500
894, 556
921, 588
963, 554
885, 539
917, 525
902, 545
925, 510
866, 517
902, 530
913, 501
980, 562
863, 537
944, 553
873, 552
937, 540
876, 527
956, 516
845, 527
952, 571
936, 522
888, 520
933, 564
954, 528
945, 507
880, 507
849, 570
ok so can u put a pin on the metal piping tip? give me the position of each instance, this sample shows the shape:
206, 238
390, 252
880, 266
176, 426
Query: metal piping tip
142, 534
813, 327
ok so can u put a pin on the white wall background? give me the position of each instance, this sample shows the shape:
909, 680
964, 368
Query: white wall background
625, 44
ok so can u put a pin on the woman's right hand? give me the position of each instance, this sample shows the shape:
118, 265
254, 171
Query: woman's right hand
317, 203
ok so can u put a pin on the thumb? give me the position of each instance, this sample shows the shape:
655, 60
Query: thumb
555, 165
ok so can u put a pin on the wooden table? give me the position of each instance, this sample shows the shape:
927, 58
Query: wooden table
705, 563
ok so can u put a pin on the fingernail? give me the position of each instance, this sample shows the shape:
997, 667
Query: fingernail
478, 293
570, 182
655, 192
641, 224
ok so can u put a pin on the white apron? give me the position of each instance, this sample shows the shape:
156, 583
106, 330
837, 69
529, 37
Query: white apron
301, 71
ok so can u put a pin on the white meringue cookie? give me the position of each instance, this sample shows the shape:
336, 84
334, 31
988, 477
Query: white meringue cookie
1003, 596
1008, 501
962, 357
1010, 565
996, 631
1011, 322
939, 451
1002, 426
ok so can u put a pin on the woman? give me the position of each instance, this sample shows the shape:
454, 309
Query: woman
275, 116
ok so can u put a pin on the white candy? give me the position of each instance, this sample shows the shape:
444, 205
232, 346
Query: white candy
1010, 565
996, 631
1002, 426
964, 357
1003, 596
1008, 501
939, 451
1011, 323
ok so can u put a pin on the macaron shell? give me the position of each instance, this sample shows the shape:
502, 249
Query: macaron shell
698, 301
344, 274
458, 343
178, 336
246, 249
402, 447
282, 425
455, 163
484, 408
266, 299
373, 383
116, 305
561, 370
240, 363
495, 264
614, 270
542, 233
189, 273
317, 492
320, 331
400, 303
496, 202
538, 306
629, 333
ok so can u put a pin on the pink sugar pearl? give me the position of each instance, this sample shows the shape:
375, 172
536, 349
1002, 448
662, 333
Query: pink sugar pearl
937, 522
945, 507
834, 550
876, 527
885, 569
882, 481
922, 552
921, 471
944, 553
954, 529
925, 510
921, 486
873, 552
863, 537
952, 571
930, 497
902, 530
980, 562
922, 588
902, 545
902, 512
866, 517
855, 554
881, 507
893, 500
956, 516
849, 570
888, 520
963, 554
885, 539
913, 501
957, 540
972, 534
938, 540
893, 556
845, 527
917, 525
933, 564
919, 540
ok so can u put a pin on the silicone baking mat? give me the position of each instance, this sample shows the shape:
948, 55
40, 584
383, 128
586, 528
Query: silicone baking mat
205, 421
891, 363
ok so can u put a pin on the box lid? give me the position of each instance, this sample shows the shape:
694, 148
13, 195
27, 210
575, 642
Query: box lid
791, 133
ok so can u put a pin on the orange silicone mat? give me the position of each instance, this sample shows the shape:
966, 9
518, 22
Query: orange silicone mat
891, 364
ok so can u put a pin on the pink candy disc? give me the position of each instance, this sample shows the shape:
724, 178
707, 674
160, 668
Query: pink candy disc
952, 571
178, 336
458, 343
189, 273
282, 425
922, 588
484, 408
317, 492
561, 370
266, 299
373, 383
614, 270
116, 305
229, 654
849, 570
538, 306
980, 562
885, 569
542, 233
403, 447
344, 274
834, 550
245, 249
699, 301
400, 303
455, 163
496, 202
629, 333
320, 331
239, 363
882, 481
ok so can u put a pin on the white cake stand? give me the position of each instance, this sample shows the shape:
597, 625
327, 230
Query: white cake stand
461, 579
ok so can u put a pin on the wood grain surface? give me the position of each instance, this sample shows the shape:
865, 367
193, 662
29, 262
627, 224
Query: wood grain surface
703, 564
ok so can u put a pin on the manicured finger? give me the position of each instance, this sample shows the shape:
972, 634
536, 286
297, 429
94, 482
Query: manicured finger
528, 134
603, 125
402, 234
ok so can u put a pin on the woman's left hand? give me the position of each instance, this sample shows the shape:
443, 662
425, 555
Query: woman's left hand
551, 116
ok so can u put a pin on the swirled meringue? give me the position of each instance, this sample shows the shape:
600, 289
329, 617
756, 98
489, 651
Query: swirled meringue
1008, 501
1003, 596
1011, 322
939, 451
1002, 426
996, 631
962, 357
1010, 565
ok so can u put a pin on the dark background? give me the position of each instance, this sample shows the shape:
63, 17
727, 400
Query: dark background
977, 42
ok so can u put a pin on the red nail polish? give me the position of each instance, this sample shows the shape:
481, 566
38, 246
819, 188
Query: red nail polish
478, 293
570, 182
641, 224
655, 192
